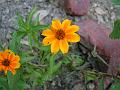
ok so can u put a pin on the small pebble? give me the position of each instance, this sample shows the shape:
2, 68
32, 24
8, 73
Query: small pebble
100, 11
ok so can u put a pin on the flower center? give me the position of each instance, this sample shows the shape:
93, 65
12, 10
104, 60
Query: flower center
60, 34
6, 62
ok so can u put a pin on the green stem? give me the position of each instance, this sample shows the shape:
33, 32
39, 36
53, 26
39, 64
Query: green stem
101, 84
10, 80
35, 65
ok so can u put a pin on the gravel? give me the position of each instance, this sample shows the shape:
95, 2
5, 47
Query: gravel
104, 12
101, 10
8, 9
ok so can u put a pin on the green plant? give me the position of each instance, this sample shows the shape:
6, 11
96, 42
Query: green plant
38, 64
116, 30
117, 2
115, 85
115, 34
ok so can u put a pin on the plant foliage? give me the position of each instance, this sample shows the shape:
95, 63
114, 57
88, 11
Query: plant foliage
116, 30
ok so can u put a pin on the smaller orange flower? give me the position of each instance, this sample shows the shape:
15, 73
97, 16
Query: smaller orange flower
9, 61
60, 34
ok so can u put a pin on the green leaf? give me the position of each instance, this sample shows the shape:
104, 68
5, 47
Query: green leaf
2, 80
52, 61
90, 75
21, 85
56, 67
44, 48
10, 80
73, 60
12, 44
101, 84
39, 27
77, 61
29, 18
1, 46
21, 33
25, 57
36, 38
21, 23
36, 20
3, 83
115, 85
117, 2
30, 40
116, 30
16, 82
66, 60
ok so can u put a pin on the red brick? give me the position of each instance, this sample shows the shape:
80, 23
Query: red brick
98, 35
76, 7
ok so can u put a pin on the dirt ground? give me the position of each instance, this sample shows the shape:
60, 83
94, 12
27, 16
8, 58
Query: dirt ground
101, 10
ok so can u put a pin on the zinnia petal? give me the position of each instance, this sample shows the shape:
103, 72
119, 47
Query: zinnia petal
9, 61
53, 29
72, 29
56, 24
5, 72
73, 37
55, 46
66, 23
16, 59
5, 55
11, 56
0, 68
47, 32
60, 34
13, 71
15, 65
48, 40
8, 51
64, 46
1, 58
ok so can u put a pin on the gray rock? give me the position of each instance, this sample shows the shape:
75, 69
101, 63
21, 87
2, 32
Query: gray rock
100, 19
41, 13
113, 16
100, 11
79, 87
90, 86
2, 1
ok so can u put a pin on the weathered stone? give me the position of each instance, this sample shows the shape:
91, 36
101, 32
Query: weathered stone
41, 14
76, 7
95, 34
2, 1
90, 86
100, 11
98, 35
78, 87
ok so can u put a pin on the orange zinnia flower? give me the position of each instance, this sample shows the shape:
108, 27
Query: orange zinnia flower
9, 61
60, 34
